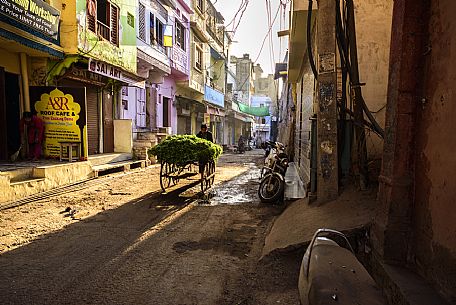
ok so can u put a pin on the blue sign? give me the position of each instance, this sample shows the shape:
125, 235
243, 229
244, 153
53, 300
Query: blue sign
214, 97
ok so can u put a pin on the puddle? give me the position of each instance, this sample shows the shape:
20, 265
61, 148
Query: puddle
240, 190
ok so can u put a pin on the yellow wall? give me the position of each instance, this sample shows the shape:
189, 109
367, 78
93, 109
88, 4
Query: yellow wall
68, 25
373, 34
10, 61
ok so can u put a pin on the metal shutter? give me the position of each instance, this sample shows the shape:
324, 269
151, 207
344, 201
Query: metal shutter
93, 120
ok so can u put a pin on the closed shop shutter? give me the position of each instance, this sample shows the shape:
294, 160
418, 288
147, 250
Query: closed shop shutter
93, 121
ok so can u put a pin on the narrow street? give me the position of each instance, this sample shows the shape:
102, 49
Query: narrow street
126, 243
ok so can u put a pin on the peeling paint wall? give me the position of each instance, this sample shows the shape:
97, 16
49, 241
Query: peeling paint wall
373, 34
304, 112
434, 216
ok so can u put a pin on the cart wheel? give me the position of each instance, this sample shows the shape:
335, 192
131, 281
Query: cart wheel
212, 172
165, 179
172, 172
204, 180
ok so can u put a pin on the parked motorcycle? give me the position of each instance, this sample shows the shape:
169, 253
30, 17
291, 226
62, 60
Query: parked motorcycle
272, 184
272, 149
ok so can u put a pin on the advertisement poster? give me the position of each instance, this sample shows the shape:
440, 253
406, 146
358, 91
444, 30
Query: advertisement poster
63, 111
34, 14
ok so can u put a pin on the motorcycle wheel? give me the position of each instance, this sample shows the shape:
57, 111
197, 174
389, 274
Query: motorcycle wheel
271, 188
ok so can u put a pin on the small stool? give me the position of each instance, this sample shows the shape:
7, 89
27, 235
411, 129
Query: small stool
68, 146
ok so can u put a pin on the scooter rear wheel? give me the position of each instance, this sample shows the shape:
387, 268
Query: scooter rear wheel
271, 188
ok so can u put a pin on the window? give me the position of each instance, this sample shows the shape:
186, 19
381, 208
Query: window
152, 29
131, 20
263, 121
180, 35
159, 32
198, 55
103, 19
200, 5
142, 22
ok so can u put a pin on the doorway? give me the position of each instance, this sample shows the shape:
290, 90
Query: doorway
166, 112
10, 113
108, 123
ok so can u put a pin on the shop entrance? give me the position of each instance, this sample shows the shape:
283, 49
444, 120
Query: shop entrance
10, 139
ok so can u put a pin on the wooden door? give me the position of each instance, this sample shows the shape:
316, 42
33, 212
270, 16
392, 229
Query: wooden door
108, 123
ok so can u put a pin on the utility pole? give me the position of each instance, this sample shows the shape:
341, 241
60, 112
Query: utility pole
327, 157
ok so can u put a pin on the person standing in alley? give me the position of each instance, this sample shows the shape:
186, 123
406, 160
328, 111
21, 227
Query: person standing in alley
32, 131
205, 134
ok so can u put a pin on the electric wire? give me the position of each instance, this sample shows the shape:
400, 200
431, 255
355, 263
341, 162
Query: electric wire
262, 46
309, 40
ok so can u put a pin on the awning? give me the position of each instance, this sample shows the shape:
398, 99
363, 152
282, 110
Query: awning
199, 106
255, 111
31, 44
298, 39
216, 55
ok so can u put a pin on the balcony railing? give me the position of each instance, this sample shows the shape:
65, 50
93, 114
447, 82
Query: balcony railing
103, 30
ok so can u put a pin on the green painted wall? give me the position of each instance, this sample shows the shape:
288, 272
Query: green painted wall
89, 44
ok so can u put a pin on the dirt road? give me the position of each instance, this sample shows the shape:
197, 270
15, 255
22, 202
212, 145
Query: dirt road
129, 244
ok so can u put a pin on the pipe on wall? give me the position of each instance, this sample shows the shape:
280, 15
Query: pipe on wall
25, 81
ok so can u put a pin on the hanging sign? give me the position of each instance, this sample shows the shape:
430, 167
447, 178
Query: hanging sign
34, 14
105, 69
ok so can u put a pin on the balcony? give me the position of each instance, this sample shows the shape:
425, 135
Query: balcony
198, 25
179, 59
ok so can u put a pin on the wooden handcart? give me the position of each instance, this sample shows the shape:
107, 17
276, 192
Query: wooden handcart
171, 174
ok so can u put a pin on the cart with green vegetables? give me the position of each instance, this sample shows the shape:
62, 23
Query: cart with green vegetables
186, 157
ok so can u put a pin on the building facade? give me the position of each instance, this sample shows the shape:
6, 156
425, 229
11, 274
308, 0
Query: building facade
27, 49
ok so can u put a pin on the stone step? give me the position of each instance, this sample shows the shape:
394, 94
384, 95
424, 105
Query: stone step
30, 181
20, 174
101, 159
125, 166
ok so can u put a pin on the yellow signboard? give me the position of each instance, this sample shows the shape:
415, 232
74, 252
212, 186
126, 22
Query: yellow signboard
64, 117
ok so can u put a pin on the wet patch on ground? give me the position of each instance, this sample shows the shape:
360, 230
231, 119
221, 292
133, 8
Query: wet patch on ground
239, 190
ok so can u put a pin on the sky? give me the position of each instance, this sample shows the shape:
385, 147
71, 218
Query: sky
253, 28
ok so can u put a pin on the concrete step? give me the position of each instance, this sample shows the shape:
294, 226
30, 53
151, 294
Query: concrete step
30, 181
404, 287
20, 174
120, 166
96, 160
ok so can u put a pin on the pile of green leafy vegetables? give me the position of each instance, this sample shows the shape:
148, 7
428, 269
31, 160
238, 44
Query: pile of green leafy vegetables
185, 149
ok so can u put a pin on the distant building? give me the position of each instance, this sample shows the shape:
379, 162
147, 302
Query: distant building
262, 125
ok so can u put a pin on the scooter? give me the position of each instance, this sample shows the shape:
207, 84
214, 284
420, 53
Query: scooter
331, 274
272, 185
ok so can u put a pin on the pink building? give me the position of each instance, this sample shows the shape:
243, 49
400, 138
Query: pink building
153, 108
